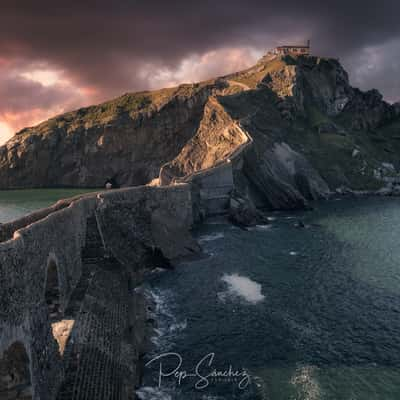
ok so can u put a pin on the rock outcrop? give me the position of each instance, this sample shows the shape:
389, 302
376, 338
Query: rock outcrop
217, 138
283, 177
310, 132
243, 212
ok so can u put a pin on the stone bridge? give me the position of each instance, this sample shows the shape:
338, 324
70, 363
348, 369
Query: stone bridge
71, 324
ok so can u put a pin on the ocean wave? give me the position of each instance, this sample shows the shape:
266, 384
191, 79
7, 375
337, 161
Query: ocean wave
265, 227
153, 393
211, 237
243, 287
158, 270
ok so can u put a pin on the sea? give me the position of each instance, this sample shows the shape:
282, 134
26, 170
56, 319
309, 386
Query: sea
17, 203
282, 312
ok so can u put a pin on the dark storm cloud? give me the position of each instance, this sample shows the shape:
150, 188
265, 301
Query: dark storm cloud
105, 44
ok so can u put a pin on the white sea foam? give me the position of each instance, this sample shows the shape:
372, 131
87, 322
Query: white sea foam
152, 393
167, 326
263, 227
211, 237
243, 287
306, 383
260, 227
160, 301
179, 326
158, 270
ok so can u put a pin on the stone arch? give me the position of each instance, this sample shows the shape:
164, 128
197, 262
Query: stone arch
112, 181
52, 293
15, 374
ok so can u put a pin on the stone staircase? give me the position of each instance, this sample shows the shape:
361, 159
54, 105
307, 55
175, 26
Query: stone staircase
97, 359
92, 255
94, 249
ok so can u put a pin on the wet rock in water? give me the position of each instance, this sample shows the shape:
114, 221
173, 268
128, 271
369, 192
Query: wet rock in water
243, 213
396, 190
300, 224
173, 239
389, 190
159, 260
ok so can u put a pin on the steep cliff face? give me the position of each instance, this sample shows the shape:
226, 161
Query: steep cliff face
126, 140
311, 132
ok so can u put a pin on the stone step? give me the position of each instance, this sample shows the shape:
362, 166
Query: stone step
79, 292
90, 241
92, 255
93, 252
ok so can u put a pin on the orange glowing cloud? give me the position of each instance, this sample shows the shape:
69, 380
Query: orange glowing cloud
33, 94
6, 132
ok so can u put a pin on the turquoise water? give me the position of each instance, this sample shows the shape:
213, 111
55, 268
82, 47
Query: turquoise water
309, 313
17, 203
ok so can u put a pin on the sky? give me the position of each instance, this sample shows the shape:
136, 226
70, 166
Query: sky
58, 56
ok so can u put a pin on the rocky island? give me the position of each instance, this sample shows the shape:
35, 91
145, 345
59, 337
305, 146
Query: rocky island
286, 131
311, 131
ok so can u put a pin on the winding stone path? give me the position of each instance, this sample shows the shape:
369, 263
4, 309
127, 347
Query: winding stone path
240, 84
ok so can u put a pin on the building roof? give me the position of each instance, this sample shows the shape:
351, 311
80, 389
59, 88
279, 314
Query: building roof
289, 47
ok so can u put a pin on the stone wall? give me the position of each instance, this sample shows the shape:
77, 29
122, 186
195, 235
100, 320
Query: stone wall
24, 259
174, 198
135, 222
212, 191
7, 229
